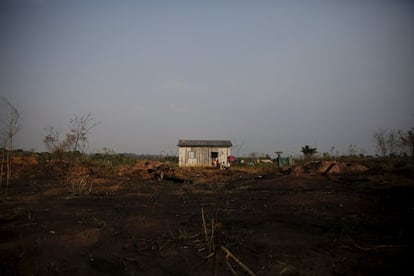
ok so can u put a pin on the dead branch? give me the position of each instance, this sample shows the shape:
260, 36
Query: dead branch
212, 249
204, 224
230, 266
242, 265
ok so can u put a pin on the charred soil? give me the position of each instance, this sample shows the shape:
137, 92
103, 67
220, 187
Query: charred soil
272, 224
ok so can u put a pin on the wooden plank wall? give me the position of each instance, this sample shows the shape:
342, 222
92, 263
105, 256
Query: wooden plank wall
203, 156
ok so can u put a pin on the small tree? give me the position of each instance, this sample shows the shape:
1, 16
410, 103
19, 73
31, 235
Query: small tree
389, 142
392, 142
76, 139
380, 140
407, 141
352, 150
3, 156
53, 142
9, 127
308, 151
237, 147
79, 129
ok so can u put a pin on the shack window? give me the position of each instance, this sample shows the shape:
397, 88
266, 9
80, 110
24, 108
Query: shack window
191, 155
214, 154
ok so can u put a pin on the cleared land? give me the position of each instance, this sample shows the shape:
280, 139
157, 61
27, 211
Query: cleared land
130, 223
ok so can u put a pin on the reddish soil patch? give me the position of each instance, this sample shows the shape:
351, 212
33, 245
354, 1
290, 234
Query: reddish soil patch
275, 225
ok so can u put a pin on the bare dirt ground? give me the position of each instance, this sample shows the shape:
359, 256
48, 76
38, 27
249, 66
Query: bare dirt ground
274, 224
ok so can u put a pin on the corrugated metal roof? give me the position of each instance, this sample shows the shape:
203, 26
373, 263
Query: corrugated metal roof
204, 143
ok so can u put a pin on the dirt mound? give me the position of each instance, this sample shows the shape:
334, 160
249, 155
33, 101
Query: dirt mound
324, 168
142, 169
81, 170
25, 161
26, 167
332, 167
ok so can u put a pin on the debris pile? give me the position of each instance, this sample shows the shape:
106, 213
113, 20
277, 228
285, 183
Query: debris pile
324, 168
142, 169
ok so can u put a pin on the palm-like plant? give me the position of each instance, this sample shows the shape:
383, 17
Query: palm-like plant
308, 151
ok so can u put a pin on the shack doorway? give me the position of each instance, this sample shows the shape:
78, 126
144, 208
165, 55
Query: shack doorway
214, 159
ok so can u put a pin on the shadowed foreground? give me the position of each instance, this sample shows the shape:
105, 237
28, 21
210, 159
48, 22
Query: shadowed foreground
271, 224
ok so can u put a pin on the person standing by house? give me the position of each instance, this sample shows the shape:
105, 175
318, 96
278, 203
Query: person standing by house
231, 159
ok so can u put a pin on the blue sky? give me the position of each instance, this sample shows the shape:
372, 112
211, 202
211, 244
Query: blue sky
271, 75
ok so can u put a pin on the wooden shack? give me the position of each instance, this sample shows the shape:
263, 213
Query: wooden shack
204, 153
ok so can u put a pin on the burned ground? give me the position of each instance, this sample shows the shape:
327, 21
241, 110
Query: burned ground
274, 224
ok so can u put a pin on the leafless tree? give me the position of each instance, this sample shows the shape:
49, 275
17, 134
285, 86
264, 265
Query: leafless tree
79, 129
9, 127
3, 156
380, 139
394, 142
53, 142
76, 139
237, 147
407, 141
352, 150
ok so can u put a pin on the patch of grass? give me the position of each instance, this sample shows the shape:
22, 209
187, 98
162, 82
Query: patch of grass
78, 185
